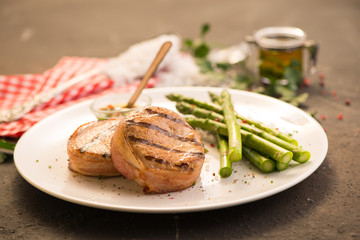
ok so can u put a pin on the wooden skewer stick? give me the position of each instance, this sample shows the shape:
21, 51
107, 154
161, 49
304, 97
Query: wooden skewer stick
159, 57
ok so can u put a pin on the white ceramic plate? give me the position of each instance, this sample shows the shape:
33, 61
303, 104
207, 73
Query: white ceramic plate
41, 158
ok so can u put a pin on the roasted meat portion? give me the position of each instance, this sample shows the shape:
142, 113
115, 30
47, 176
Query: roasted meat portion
158, 149
89, 149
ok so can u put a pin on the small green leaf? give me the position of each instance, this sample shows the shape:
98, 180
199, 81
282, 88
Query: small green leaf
223, 66
202, 50
300, 99
259, 89
242, 82
293, 75
240, 85
205, 28
204, 65
270, 86
313, 114
189, 43
285, 93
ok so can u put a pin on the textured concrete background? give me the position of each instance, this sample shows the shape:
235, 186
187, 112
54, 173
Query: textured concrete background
36, 34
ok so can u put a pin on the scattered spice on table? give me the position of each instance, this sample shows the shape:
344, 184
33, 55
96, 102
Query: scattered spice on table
306, 82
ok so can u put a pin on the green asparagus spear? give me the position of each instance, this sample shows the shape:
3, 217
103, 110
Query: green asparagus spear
268, 148
207, 124
300, 155
281, 166
265, 164
187, 108
233, 128
225, 164
248, 139
207, 105
214, 107
216, 99
268, 129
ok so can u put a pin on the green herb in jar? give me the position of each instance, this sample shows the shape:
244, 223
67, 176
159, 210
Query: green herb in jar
273, 62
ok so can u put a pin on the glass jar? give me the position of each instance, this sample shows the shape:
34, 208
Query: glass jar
281, 48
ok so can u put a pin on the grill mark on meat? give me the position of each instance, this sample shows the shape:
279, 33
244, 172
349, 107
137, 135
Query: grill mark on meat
98, 138
146, 142
184, 166
106, 155
162, 131
158, 160
167, 116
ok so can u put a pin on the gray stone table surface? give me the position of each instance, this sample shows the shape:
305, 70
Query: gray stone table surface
35, 34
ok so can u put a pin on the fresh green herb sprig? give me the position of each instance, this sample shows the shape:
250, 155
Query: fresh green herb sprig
199, 48
8, 147
239, 76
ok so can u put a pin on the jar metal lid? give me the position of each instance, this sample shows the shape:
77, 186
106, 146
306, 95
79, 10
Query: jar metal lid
280, 37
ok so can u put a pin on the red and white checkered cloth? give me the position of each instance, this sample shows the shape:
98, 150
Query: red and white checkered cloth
17, 89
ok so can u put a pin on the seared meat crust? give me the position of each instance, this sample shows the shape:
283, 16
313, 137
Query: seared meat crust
89, 149
158, 149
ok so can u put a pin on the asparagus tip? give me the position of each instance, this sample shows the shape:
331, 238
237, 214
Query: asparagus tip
268, 166
235, 155
282, 166
304, 157
294, 142
225, 172
286, 158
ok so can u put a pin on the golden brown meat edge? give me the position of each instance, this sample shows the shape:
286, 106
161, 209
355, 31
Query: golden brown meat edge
88, 163
151, 179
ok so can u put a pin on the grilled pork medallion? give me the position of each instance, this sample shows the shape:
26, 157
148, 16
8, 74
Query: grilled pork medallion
89, 149
159, 150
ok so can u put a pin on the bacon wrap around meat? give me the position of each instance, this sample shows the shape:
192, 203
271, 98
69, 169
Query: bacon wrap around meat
160, 151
